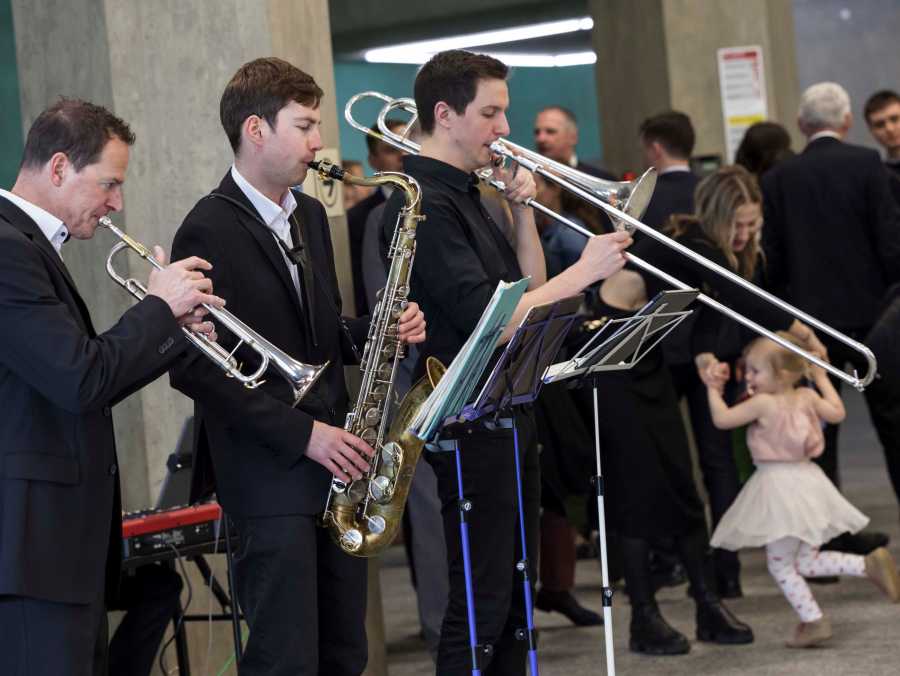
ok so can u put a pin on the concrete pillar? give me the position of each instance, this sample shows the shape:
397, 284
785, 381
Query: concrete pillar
655, 55
162, 67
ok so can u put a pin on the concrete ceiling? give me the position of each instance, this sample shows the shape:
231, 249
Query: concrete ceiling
359, 25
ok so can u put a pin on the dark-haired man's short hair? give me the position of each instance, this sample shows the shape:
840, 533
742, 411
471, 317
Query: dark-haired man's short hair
672, 130
452, 77
79, 129
879, 100
263, 87
372, 142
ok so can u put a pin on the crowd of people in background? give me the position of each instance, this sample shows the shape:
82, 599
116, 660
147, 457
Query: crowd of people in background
819, 228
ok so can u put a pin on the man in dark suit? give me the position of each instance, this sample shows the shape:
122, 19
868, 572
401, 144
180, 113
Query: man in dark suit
60, 515
382, 157
882, 112
303, 598
832, 244
556, 136
667, 140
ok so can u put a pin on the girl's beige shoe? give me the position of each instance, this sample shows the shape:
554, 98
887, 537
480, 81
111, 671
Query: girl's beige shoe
882, 570
809, 634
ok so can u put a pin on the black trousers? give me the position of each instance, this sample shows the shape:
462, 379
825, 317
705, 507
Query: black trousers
44, 638
303, 598
716, 456
883, 402
488, 474
150, 594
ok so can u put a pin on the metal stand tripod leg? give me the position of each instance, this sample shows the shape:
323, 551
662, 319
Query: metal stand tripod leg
601, 520
465, 506
522, 565
235, 612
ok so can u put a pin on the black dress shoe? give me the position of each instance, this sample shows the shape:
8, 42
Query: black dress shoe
652, 635
825, 579
717, 624
564, 603
729, 588
862, 543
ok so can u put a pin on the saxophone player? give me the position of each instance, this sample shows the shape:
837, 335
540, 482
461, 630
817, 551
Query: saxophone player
303, 599
461, 255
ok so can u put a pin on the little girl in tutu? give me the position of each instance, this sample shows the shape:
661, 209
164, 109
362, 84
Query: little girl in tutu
788, 504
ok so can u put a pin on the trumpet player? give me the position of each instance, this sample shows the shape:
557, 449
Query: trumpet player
302, 597
59, 488
461, 255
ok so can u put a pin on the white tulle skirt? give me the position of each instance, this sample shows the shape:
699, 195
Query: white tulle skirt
787, 499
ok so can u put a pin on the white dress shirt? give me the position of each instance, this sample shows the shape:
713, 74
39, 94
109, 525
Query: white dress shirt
275, 217
54, 229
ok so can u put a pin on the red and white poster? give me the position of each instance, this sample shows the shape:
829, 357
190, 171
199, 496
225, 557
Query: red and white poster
742, 82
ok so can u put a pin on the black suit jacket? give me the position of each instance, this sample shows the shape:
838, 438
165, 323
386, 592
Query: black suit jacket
356, 225
832, 232
674, 194
60, 515
255, 440
595, 171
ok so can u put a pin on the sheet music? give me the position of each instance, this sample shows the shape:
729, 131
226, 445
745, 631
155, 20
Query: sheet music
458, 383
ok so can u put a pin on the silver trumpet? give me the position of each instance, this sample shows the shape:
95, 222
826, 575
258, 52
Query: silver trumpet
301, 377
633, 198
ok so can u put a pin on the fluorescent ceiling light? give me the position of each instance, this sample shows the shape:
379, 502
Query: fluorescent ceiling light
536, 60
421, 51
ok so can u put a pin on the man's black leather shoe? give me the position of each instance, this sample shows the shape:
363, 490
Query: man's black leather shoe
716, 624
564, 603
861, 543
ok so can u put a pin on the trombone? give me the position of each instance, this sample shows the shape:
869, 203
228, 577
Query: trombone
301, 377
633, 198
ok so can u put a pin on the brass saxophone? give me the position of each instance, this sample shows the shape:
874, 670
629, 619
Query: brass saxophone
364, 516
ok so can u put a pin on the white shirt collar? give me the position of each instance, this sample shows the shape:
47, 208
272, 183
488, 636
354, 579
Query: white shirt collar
54, 229
275, 216
573, 161
674, 168
824, 133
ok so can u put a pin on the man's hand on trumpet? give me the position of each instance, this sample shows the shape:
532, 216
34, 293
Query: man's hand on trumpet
185, 289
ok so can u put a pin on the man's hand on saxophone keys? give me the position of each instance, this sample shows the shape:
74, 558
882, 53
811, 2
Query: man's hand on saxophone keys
411, 325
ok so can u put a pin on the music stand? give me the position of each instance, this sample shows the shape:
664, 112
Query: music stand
619, 345
514, 380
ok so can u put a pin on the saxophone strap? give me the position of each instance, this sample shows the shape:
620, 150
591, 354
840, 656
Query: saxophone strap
298, 257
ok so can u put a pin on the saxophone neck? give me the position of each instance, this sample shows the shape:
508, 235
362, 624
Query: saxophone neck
327, 170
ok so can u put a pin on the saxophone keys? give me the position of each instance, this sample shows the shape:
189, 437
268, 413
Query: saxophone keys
372, 416
391, 453
369, 435
385, 371
338, 486
351, 540
377, 524
380, 489
356, 491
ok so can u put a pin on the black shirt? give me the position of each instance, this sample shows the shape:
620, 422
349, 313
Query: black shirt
461, 255
710, 330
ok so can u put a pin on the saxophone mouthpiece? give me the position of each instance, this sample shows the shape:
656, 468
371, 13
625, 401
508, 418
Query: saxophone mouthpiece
326, 169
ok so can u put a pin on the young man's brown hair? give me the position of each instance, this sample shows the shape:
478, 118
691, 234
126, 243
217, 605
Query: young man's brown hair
263, 87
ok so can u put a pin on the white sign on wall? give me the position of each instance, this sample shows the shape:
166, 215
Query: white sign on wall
742, 82
329, 192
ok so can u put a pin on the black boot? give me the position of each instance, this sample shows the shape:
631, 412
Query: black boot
717, 624
652, 635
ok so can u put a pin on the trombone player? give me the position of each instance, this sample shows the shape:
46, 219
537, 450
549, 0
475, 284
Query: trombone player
60, 529
461, 255
303, 598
